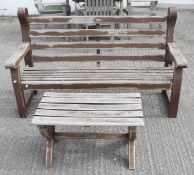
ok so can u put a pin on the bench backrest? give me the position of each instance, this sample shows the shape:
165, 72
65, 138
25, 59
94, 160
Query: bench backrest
114, 44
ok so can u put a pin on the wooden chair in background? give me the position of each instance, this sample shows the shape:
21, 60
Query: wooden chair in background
138, 7
44, 8
98, 7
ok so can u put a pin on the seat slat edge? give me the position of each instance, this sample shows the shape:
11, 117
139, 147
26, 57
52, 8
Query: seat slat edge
72, 121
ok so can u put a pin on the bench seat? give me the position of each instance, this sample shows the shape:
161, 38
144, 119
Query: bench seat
35, 78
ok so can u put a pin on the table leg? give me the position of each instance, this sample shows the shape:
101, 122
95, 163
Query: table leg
132, 137
49, 153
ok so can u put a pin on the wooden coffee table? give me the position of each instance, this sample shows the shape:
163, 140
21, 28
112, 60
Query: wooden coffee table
89, 109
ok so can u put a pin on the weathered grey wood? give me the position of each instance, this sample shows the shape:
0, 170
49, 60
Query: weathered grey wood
15, 59
132, 137
49, 153
123, 70
104, 100
79, 115
116, 82
86, 72
95, 19
78, 135
94, 32
66, 78
97, 57
96, 76
73, 121
91, 95
89, 107
88, 114
177, 56
39, 45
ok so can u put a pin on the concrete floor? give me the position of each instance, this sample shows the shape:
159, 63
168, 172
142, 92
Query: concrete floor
164, 146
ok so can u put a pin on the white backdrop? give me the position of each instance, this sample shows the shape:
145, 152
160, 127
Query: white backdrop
9, 7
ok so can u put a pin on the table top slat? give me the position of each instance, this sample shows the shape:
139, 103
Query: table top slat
90, 109
86, 100
88, 114
72, 121
91, 95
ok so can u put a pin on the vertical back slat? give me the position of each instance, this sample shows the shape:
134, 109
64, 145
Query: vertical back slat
100, 7
93, 8
106, 1
111, 7
89, 7
103, 7
86, 7
121, 6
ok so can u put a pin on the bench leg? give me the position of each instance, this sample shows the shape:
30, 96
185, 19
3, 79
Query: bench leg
29, 62
132, 137
48, 132
49, 153
175, 93
19, 93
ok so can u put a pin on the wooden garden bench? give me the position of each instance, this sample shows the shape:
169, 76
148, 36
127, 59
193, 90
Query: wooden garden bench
89, 109
159, 62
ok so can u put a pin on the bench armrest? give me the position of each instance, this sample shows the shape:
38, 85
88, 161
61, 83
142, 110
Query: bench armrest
176, 55
15, 59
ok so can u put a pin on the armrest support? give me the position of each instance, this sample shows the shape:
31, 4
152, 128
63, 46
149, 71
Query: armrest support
15, 59
176, 55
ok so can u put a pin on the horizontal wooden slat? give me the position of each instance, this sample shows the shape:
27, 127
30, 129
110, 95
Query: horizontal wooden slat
95, 19
95, 74
90, 107
61, 75
88, 114
32, 70
91, 74
94, 32
78, 135
133, 84
95, 79
95, 57
92, 100
74, 76
91, 95
87, 45
74, 121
